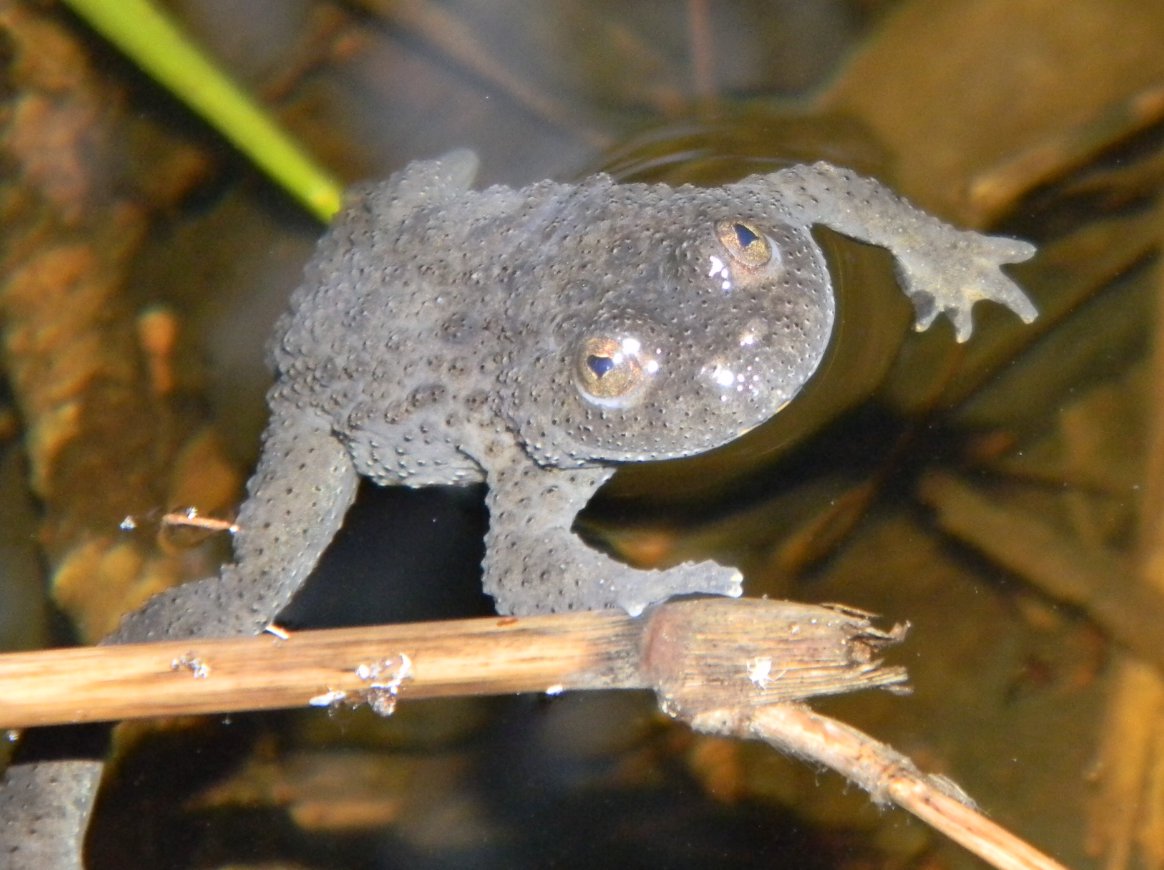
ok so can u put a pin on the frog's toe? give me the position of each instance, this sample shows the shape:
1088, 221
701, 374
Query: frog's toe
997, 288
1002, 249
963, 320
925, 309
690, 578
1006, 292
993, 284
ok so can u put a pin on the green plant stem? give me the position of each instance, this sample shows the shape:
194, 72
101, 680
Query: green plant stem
154, 42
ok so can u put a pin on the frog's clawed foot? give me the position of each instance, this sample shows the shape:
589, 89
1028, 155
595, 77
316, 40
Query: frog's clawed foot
953, 279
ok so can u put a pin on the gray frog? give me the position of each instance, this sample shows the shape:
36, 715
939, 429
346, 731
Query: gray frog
535, 339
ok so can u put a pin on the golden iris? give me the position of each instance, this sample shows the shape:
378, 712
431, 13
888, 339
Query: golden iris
746, 244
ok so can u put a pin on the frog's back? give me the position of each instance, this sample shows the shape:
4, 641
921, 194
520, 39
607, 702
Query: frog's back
397, 332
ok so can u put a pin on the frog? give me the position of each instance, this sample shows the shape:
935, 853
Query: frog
535, 339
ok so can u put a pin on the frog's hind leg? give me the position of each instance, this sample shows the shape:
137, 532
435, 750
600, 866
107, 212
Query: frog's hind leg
296, 501
534, 563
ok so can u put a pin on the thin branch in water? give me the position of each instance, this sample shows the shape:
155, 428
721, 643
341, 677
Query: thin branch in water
702, 50
886, 774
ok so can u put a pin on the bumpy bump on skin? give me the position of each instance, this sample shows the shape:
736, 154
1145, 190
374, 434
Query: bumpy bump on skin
537, 338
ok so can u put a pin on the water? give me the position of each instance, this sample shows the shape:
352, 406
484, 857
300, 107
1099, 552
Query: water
833, 501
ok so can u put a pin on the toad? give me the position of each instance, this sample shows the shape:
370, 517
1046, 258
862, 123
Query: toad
537, 338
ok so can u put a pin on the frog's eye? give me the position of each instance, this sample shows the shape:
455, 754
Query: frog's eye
613, 371
746, 244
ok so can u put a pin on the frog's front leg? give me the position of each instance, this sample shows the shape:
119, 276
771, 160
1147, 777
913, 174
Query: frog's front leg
940, 268
296, 501
534, 563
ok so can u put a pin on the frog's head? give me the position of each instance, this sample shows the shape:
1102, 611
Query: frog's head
674, 341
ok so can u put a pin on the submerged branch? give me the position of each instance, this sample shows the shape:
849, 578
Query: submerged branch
887, 775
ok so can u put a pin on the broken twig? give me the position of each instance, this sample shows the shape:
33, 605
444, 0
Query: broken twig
721, 651
725, 666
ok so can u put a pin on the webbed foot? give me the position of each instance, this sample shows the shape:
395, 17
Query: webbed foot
951, 277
